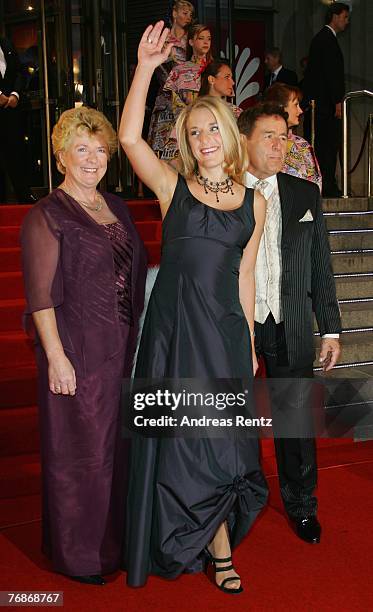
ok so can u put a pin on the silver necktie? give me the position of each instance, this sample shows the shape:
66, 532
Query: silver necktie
261, 185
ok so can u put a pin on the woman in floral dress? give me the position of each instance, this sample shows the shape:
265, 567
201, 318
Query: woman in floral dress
300, 159
181, 88
182, 16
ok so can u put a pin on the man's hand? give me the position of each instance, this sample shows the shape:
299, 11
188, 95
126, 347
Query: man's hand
329, 353
12, 101
338, 110
3, 100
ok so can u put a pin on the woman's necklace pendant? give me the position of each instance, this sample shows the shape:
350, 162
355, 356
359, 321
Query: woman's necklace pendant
98, 199
215, 186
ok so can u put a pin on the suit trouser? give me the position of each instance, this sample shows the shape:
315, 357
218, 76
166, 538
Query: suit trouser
13, 154
328, 136
296, 457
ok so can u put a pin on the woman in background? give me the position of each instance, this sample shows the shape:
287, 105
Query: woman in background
184, 82
300, 159
182, 16
217, 80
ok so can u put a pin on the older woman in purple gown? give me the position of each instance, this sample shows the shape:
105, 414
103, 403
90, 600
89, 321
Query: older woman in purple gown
84, 269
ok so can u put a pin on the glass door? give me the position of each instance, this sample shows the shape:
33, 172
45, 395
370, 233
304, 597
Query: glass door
40, 30
110, 71
72, 53
99, 66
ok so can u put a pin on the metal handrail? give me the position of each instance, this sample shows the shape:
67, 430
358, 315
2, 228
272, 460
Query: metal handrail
348, 96
46, 98
313, 110
370, 155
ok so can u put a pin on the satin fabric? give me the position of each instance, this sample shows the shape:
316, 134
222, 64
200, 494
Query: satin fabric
181, 490
70, 264
74, 273
83, 470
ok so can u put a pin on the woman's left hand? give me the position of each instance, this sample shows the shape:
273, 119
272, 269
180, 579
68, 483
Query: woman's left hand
153, 51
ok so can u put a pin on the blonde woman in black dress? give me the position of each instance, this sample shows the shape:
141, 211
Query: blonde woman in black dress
194, 497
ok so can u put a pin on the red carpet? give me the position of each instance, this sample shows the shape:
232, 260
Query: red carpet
279, 572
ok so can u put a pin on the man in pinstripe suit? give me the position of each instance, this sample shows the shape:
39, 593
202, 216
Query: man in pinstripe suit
294, 279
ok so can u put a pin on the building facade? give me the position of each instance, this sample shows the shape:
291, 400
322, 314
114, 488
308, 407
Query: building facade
83, 51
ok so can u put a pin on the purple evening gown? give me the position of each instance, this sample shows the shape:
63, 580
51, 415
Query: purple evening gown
83, 454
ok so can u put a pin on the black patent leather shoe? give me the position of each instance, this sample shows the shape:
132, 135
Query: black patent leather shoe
95, 579
307, 529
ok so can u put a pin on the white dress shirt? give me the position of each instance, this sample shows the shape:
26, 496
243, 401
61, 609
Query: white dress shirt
268, 269
3, 70
330, 28
2, 63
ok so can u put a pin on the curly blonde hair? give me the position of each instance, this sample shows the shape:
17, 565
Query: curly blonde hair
235, 156
77, 120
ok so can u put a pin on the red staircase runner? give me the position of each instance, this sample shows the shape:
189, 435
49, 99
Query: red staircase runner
279, 571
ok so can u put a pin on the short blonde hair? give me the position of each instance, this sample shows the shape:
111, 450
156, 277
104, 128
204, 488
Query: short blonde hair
180, 4
235, 156
77, 120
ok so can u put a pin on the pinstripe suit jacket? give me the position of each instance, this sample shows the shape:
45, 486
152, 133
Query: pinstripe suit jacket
307, 278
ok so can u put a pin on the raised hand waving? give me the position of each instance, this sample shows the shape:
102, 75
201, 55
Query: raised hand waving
153, 50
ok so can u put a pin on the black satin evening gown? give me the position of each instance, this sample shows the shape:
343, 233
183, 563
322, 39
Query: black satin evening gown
181, 490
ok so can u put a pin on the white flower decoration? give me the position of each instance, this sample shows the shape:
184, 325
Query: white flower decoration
245, 69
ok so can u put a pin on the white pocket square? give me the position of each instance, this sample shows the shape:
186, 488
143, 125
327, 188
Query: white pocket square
307, 217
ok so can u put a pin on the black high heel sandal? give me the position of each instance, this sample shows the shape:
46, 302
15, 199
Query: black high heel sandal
222, 587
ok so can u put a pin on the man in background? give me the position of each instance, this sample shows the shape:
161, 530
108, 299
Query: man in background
12, 148
324, 82
276, 72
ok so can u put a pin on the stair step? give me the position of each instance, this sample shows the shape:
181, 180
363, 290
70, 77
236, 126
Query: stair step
154, 252
16, 349
351, 240
11, 315
150, 231
143, 211
347, 204
9, 236
13, 214
347, 221
356, 315
355, 371
20, 510
20, 475
11, 285
356, 347
18, 386
10, 259
352, 263
358, 286
19, 431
